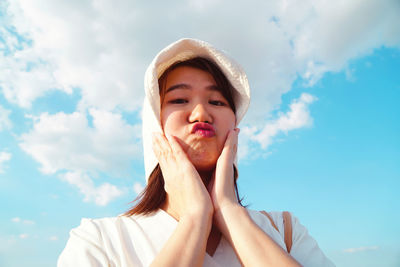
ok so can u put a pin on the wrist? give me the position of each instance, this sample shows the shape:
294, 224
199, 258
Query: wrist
228, 212
198, 220
227, 207
199, 214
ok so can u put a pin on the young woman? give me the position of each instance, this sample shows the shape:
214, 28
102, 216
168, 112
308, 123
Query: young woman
190, 213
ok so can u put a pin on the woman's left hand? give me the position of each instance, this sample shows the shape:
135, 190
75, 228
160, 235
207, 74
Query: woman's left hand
222, 187
251, 244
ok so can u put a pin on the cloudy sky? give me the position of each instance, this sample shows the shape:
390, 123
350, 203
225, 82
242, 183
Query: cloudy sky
321, 138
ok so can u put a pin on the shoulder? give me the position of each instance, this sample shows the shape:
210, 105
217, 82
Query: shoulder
116, 241
298, 230
107, 230
84, 246
305, 248
88, 242
272, 219
272, 227
95, 229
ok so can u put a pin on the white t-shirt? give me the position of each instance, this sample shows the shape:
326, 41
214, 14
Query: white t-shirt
136, 240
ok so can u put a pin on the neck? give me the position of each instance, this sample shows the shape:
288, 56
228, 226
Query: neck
206, 176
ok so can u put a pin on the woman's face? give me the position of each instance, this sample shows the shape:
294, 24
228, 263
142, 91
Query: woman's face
197, 113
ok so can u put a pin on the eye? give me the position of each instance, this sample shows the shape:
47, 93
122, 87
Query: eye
217, 103
178, 101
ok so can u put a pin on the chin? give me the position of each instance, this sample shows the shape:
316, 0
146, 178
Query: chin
204, 161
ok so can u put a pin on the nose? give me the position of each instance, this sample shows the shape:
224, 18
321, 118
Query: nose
200, 114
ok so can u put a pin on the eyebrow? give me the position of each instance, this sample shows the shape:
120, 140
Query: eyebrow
187, 86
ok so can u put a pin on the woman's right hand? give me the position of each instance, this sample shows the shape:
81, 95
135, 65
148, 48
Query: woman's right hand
187, 201
186, 193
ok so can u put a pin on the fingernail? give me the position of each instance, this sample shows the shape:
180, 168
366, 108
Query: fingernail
237, 130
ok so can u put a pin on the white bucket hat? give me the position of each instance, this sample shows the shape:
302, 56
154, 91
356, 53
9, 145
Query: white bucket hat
181, 50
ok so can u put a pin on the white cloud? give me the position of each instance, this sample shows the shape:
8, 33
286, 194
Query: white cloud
138, 188
103, 48
23, 236
28, 222
53, 238
100, 195
54, 196
360, 249
326, 34
16, 219
19, 220
67, 142
297, 117
4, 157
5, 122
74, 44
22, 85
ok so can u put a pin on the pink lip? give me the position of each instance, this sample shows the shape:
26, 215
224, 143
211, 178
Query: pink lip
203, 129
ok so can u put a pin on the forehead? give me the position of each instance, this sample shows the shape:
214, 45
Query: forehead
190, 79
190, 76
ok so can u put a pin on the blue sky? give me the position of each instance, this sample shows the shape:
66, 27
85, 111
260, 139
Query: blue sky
321, 138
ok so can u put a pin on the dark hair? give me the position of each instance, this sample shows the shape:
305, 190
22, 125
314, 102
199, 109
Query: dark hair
153, 196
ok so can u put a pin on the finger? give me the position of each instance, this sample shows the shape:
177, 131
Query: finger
176, 147
156, 146
230, 147
161, 146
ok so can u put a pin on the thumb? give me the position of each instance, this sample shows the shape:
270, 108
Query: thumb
229, 150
